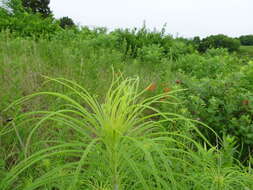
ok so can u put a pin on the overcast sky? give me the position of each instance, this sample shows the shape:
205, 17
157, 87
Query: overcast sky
186, 18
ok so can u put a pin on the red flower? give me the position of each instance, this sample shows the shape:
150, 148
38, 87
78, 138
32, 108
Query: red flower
245, 102
166, 90
151, 87
178, 81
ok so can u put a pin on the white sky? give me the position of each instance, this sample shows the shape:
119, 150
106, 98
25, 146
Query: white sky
186, 18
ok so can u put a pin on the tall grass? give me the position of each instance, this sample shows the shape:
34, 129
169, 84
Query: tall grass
114, 144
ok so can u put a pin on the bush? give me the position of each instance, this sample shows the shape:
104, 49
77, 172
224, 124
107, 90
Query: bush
150, 54
29, 25
214, 63
66, 22
13, 17
134, 39
219, 41
224, 104
37, 6
246, 40
24, 24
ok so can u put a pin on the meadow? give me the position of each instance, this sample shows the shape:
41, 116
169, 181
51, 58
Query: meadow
128, 109
246, 51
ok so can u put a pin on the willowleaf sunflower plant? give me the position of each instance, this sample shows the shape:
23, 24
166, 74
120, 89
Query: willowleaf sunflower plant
112, 144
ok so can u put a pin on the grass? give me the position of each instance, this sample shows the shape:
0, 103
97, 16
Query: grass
115, 145
95, 134
116, 126
246, 51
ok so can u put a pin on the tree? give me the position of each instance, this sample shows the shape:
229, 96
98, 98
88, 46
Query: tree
12, 7
15, 18
66, 22
37, 6
219, 41
246, 40
196, 42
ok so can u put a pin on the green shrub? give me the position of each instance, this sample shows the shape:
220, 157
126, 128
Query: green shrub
213, 64
224, 105
28, 25
151, 54
134, 39
66, 22
246, 40
219, 41
20, 23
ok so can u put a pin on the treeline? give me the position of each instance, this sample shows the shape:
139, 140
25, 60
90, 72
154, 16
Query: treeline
222, 41
216, 41
29, 18
246, 40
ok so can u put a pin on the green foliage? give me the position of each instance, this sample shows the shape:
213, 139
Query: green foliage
151, 54
114, 144
20, 23
219, 41
64, 144
246, 40
247, 70
196, 42
224, 104
28, 25
66, 22
37, 6
13, 7
213, 64
246, 51
133, 40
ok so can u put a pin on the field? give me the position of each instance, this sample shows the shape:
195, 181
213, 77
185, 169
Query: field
246, 51
98, 111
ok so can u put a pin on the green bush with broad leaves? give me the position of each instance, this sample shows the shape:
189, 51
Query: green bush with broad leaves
21, 23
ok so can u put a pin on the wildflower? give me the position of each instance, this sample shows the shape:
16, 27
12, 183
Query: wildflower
151, 87
118, 74
166, 90
178, 81
245, 102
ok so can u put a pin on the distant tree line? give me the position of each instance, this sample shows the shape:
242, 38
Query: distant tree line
246, 40
34, 18
216, 41
37, 6
221, 41
42, 7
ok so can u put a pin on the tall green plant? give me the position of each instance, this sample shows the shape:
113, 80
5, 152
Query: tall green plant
115, 143
112, 144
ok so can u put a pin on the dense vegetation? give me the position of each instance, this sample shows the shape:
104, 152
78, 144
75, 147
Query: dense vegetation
246, 40
129, 109
219, 41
